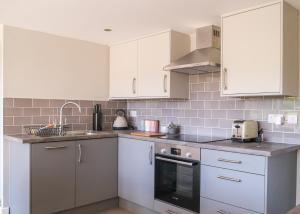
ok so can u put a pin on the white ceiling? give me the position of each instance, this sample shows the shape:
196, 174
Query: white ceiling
86, 19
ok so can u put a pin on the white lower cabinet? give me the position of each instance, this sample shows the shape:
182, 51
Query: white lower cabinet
209, 207
237, 188
230, 182
236, 183
136, 171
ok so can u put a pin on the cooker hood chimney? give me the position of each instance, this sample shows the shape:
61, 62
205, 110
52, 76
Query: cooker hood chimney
206, 57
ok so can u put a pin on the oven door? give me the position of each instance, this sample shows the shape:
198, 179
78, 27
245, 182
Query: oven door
177, 181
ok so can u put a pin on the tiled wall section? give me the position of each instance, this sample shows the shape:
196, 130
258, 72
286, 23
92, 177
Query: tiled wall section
19, 112
206, 113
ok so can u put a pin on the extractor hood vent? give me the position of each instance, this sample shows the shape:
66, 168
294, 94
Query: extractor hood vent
206, 58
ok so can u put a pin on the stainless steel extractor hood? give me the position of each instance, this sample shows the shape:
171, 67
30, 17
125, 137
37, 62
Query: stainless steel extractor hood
206, 57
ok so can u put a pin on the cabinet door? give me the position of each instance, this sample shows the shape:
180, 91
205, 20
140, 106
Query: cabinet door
136, 172
251, 52
52, 177
154, 54
97, 170
123, 70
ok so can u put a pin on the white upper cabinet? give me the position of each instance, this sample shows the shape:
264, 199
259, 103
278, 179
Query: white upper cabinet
154, 53
260, 51
123, 70
143, 73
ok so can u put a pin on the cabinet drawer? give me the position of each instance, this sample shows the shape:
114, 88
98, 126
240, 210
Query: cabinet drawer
210, 206
236, 188
165, 208
236, 161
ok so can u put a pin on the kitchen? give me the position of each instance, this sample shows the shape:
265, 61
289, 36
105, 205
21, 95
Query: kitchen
145, 73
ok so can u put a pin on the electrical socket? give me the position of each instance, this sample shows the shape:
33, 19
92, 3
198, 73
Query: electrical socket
133, 114
277, 119
292, 119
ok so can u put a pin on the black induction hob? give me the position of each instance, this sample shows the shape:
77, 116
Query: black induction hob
193, 138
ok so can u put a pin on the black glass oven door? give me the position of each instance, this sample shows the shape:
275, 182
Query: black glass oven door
177, 181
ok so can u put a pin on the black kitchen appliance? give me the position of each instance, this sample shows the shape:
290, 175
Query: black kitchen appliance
177, 171
97, 118
177, 176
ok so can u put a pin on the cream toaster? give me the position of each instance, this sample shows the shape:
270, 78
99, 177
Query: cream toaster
244, 130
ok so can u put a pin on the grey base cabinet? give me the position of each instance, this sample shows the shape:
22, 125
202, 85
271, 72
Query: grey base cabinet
57, 176
240, 183
52, 177
136, 171
96, 174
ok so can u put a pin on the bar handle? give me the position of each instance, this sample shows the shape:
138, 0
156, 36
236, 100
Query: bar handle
151, 155
222, 212
225, 79
134, 85
230, 179
55, 147
79, 153
174, 161
229, 161
170, 212
165, 83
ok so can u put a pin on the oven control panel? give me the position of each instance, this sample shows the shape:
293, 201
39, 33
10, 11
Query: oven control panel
175, 151
178, 151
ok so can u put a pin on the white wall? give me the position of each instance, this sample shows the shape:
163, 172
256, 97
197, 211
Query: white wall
1, 117
298, 162
40, 65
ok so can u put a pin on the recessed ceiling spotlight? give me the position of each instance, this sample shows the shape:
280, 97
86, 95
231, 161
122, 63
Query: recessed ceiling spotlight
107, 29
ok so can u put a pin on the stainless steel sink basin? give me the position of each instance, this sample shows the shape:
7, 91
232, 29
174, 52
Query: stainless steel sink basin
81, 133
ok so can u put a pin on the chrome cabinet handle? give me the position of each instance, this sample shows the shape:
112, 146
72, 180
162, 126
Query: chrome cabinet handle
165, 83
150, 155
225, 79
55, 147
222, 212
230, 179
80, 153
229, 161
170, 212
134, 85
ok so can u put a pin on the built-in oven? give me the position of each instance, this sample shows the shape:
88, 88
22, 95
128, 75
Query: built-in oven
177, 176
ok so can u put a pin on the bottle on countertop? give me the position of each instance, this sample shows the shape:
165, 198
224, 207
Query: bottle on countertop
97, 118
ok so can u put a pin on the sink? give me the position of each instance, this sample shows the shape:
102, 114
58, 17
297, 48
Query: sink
81, 133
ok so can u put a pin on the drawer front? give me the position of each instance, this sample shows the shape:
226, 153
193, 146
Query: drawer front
239, 189
213, 207
165, 208
236, 161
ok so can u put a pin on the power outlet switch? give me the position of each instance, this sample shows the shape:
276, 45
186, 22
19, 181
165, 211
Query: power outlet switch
277, 119
133, 114
271, 118
292, 119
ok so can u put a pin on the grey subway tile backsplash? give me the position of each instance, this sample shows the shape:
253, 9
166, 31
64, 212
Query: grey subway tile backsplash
8, 103
19, 112
205, 113
215, 113
40, 103
23, 102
